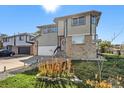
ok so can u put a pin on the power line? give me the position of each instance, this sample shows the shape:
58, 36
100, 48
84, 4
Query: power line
115, 36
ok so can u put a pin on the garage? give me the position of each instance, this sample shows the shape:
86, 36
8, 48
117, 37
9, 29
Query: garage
24, 50
46, 50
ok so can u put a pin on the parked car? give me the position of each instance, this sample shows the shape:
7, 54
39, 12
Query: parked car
5, 53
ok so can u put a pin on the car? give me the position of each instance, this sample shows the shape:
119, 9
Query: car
6, 53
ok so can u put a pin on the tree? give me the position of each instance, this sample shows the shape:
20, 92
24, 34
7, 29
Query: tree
105, 46
37, 33
2, 36
1, 45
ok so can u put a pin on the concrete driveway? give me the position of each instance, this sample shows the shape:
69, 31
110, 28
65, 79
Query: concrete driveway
15, 62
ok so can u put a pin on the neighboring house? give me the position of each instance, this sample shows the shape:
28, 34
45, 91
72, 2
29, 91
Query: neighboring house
77, 34
20, 44
118, 49
47, 40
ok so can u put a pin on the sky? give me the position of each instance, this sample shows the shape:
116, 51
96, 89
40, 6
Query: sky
20, 19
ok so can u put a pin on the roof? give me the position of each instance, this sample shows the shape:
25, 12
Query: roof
20, 34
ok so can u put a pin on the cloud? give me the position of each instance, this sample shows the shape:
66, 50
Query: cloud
51, 8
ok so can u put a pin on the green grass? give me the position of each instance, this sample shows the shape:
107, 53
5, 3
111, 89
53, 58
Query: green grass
87, 70
24, 80
83, 70
112, 56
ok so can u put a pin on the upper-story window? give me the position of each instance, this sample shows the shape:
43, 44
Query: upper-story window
93, 19
78, 39
8, 39
75, 21
5, 40
21, 38
30, 37
54, 29
82, 20
79, 21
50, 30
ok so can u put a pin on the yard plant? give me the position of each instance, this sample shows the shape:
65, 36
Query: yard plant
112, 73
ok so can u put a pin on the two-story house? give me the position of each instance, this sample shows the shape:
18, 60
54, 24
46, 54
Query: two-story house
77, 34
20, 44
47, 40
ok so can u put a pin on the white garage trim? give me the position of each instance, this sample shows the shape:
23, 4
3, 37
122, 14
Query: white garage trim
46, 50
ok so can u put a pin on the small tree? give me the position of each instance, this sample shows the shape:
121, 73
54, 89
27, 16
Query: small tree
1, 45
105, 46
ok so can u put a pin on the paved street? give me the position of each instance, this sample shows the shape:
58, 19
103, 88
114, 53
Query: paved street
14, 62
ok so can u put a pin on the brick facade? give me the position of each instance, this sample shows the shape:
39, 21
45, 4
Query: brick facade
81, 51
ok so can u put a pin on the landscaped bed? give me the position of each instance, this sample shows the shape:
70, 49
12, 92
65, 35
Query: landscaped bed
83, 70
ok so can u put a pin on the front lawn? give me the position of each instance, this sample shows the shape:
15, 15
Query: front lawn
83, 70
23, 80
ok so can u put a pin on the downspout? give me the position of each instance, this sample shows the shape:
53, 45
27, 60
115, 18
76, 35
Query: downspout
66, 31
90, 24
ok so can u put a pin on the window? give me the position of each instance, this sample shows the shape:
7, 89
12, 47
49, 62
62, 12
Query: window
82, 21
5, 40
93, 19
54, 29
75, 21
79, 21
21, 38
45, 31
50, 30
8, 39
78, 39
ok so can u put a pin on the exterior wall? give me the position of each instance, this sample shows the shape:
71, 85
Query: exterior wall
11, 42
34, 49
49, 39
60, 27
80, 29
86, 50
18, 42
15, 49
122, 52
81, 51
23, 42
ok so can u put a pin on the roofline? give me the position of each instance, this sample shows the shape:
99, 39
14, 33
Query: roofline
48, 25
98, 13
21, 34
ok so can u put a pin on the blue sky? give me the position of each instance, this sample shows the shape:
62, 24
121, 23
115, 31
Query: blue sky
14, 19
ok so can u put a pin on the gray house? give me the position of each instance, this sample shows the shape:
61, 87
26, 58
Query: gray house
47, 40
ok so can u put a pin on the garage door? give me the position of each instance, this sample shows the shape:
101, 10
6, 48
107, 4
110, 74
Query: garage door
23, 50
46, 50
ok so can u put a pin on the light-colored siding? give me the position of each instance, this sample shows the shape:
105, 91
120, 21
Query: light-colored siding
46, 50
49, 39
60, 27
18, 42
23, 42
80, 29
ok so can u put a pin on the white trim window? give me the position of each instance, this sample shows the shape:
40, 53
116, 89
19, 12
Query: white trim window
79, 21
78, 39
93, 19
21, 38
